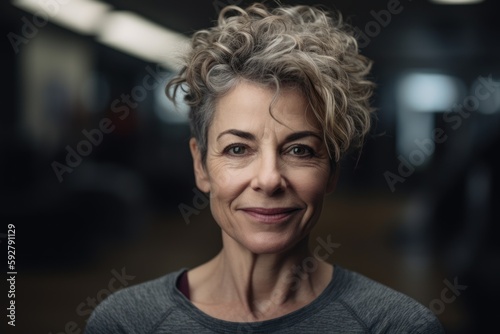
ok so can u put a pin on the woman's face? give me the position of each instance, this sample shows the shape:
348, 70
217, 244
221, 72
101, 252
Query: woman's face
266, 179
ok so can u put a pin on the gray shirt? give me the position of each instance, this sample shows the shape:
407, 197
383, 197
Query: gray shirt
351, 303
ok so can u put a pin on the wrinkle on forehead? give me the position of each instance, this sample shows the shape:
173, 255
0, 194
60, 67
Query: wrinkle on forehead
285, 113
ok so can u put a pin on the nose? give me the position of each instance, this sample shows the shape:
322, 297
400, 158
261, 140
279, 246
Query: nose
268, 174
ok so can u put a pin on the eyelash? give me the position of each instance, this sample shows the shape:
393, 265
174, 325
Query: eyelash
309, 152
228, 149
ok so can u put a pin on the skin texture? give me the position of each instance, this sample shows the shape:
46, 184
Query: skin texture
267, 178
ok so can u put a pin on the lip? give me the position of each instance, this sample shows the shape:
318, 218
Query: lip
270, 215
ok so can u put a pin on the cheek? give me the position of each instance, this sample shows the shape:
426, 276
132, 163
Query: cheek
225, 180
312, 185
217, 175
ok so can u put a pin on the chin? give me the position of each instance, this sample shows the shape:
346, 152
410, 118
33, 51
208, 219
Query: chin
269, 244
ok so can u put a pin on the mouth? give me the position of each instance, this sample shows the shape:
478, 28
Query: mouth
270, 215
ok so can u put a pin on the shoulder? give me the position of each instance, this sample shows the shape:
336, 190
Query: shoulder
383, 309
144, 305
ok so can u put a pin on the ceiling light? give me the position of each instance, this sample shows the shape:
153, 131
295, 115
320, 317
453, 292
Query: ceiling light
82, 16
135, 35
125, 31
429, 92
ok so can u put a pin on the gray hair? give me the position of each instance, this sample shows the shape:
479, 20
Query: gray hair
300, 46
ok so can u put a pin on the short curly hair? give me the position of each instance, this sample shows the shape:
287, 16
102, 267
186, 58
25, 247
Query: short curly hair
301, 46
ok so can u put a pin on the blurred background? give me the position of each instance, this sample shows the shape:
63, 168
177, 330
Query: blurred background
96, 175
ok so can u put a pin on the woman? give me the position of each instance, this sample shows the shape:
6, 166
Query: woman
277, 98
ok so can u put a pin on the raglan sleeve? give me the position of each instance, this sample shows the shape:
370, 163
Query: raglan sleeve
107, 318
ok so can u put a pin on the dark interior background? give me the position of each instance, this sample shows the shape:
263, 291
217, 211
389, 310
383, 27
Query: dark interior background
416, 212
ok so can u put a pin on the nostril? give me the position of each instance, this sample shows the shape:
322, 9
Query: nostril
269, 181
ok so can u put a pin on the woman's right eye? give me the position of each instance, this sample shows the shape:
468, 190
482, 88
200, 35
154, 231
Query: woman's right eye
236, 149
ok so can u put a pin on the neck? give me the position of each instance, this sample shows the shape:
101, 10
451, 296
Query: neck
262, 286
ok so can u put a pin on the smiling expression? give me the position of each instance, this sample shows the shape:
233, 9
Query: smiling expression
267, 177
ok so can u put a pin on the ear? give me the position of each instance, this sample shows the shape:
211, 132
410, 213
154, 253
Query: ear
200, 174
332, 180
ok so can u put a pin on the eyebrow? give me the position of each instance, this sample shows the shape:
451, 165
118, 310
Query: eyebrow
301, 134
248, 136
237, 133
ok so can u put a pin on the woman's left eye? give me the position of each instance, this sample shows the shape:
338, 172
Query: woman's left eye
301, 151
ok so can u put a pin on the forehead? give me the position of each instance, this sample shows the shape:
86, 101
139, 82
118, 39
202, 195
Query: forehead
246, 107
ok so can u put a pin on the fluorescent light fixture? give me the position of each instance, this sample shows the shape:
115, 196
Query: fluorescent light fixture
135, 35
125, 31
457, 2
429, 92
82, 16
420, 94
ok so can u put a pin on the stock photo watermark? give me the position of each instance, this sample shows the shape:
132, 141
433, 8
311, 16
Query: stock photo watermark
447, 296
119, 280
38, 20
381, 19
296, 275
454, 117
121, 107
11, 274
200, 202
